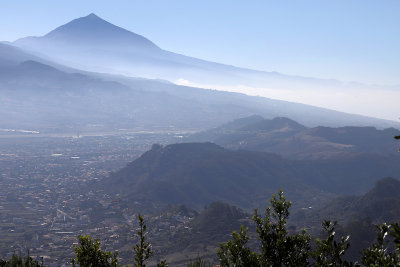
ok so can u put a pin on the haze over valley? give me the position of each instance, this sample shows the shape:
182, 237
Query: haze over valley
100, 125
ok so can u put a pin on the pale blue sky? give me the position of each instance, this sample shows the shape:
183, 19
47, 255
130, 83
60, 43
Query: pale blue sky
344, 39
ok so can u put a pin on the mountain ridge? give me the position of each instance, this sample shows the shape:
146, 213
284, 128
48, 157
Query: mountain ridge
85, 23
294, 140
182, 65
122, 54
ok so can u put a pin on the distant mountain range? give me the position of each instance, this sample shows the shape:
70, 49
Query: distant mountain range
37, 93
94, 44
291, 139
97, 45
45, 84
196, 174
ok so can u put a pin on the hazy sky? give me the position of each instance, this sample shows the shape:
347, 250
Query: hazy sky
344, 39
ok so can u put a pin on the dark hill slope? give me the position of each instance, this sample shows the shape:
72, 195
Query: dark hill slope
196, 174
362, 139
217, 218
380, 204
357, 215
199, 173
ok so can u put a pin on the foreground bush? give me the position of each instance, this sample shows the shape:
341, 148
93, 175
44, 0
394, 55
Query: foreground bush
278, 248
19, 261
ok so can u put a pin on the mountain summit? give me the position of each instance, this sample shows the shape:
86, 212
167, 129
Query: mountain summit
93, 31
93, 44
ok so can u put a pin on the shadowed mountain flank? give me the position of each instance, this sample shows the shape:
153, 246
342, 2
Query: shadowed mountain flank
196, 174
